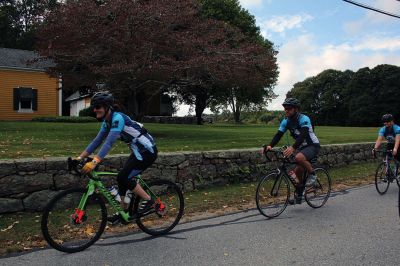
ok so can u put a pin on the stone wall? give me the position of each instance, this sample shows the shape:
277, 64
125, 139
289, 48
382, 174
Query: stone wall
27, 184
170, 119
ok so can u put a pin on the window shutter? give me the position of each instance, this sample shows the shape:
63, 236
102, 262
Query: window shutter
16, 99
34, 100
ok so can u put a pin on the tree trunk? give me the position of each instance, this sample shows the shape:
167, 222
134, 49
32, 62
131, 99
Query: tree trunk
236, 113
131, 104
200, 105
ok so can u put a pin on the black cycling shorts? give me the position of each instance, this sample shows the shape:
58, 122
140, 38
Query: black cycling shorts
310, 151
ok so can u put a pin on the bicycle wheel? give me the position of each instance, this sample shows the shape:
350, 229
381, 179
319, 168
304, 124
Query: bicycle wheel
272, 195
317, 194
68, 229
382, 181
168, 209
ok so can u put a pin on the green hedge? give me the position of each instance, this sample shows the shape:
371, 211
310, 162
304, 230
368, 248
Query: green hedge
65, 119
87, 112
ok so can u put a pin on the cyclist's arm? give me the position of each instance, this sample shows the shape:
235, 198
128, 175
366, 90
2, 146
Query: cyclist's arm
281, 130
117, 125
95, 143
379, 140
276, 138
396, 144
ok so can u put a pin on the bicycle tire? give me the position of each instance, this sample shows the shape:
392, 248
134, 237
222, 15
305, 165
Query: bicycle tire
381, 181
64, 205
161, 221
265, 196
318, 194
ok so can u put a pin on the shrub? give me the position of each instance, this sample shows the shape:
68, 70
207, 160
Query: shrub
266, 117
87, 112
65, 119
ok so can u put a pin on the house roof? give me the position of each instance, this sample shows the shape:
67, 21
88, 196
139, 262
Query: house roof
76, 96
22, 60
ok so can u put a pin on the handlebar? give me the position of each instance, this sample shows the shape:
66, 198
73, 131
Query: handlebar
75, 166
381, 151
278, 154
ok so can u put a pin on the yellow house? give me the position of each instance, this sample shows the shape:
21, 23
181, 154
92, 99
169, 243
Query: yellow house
26, 91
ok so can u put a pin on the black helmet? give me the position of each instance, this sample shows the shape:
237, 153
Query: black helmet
387, 118
291, 102
102, 98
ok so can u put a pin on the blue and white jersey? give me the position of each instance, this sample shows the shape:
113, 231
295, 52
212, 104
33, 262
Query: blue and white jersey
124, 128
390, 133
295, 124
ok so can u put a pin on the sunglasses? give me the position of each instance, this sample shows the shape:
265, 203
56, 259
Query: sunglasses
97, 107
288, 108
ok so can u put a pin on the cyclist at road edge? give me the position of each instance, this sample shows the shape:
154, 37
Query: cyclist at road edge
391, 132
306, 145
117, 125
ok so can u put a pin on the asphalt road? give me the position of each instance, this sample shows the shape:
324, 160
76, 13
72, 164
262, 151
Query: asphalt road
355, 227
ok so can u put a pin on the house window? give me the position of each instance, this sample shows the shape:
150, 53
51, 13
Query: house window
25, 100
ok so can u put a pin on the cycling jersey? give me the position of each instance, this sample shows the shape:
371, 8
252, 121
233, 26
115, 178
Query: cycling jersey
295, 124
390, 133
124, 128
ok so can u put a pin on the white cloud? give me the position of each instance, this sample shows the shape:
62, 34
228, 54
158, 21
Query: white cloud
301, 58
280, 24
251, 3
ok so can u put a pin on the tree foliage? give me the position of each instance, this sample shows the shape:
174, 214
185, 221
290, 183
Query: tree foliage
19, 20
248, 83
138, 48
347, 98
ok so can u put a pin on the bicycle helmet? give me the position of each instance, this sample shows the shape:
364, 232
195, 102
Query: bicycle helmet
387, 118
291, 102
102, 98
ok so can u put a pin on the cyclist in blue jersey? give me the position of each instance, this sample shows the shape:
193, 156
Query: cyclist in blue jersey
116, 125
306, 145
391, 132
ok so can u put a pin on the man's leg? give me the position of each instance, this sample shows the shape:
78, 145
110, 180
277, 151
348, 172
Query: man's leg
302, 162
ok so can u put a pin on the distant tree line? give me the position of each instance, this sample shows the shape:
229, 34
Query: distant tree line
347, 98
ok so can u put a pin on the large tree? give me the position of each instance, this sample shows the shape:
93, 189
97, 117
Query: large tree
250, 79
131, 46
136, 46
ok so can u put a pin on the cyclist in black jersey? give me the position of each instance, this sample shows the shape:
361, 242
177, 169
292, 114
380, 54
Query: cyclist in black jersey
306, 144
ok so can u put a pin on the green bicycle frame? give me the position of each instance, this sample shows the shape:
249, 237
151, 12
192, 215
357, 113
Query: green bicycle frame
96, 185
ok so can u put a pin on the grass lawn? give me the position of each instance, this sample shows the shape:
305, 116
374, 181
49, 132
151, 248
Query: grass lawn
36, 139
21, 231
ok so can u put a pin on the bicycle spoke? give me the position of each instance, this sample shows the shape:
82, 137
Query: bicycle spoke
167, 211
70, 229
272, 195
382, 177
317, 194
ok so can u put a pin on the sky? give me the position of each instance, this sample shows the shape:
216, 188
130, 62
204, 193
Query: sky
314, 35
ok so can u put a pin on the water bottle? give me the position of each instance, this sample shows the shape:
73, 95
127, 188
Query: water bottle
293, 177
114, 191
128, 196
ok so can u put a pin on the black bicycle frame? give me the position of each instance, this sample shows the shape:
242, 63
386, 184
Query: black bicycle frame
282, 170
